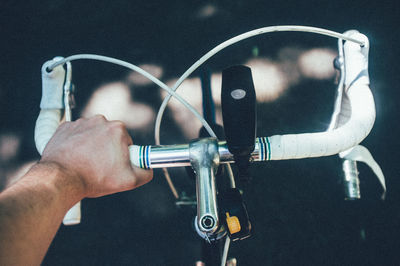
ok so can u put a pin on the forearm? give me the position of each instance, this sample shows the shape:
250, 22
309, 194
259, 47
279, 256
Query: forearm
31, 212
85, 158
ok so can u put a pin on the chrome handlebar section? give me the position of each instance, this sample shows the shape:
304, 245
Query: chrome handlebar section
166, 156
351, 180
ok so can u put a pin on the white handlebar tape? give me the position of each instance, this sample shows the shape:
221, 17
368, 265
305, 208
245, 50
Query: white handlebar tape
46, 125
50, 105
354, 64
73, 216
52, 86
356, 59
298, 146
359, 103
49, 119
134, 152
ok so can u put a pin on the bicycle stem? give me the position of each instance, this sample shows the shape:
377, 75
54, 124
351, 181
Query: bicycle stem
204, 158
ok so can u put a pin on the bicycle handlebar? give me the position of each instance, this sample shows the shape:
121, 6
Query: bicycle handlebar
360, 110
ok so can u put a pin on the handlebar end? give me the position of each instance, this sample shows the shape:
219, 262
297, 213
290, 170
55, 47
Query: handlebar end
52, 86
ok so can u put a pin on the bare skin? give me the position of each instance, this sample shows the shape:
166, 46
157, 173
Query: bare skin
85, 158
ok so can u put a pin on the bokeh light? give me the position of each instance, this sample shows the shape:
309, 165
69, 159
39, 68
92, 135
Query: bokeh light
114, 101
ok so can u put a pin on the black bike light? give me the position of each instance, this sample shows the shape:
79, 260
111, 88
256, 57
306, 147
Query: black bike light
238, 100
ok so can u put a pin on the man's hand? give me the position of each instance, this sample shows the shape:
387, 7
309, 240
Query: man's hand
85, 158
95, 153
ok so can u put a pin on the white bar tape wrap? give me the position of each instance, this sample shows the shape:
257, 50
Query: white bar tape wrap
73, 216
356, 59
49, 119
46, 125
52, 86
358, 153
360, 105
50, 105
135, 152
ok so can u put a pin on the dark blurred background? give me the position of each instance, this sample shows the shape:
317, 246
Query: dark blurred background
296, 207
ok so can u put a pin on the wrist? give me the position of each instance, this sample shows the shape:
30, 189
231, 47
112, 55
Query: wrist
66, 184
